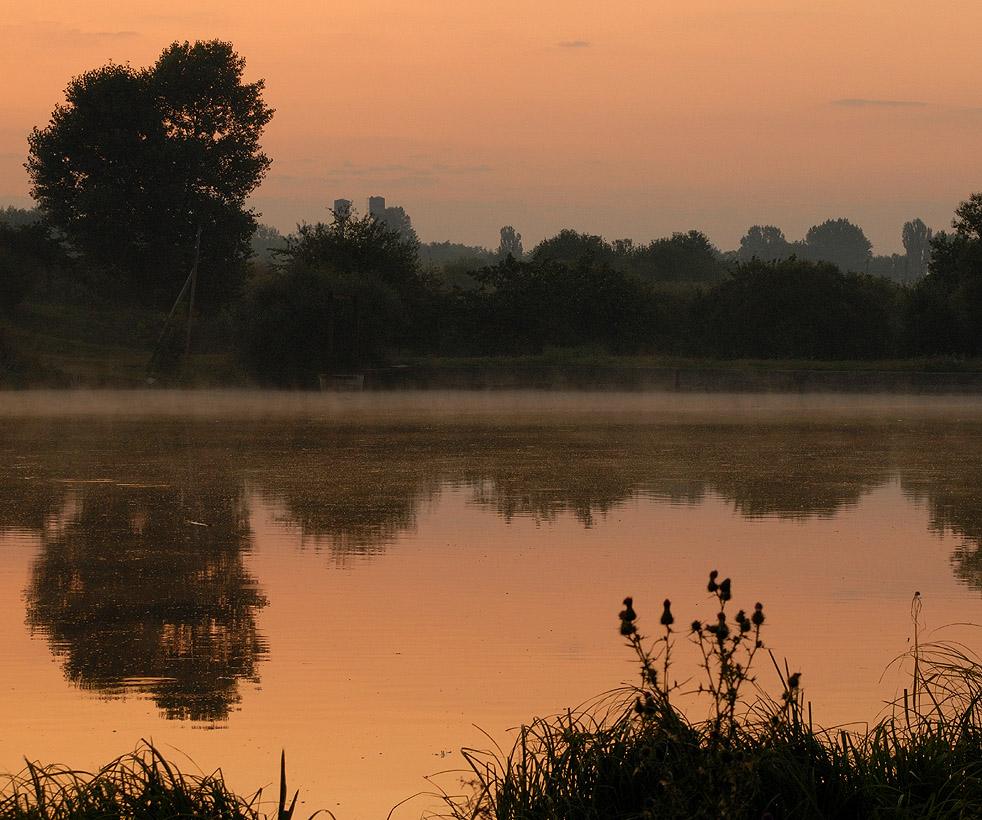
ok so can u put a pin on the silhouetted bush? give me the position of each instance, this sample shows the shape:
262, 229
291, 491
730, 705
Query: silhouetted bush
944, 310
27, 254
792, 308
292, 325
525, 307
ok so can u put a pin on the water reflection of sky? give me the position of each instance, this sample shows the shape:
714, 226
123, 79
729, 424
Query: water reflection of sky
363, 594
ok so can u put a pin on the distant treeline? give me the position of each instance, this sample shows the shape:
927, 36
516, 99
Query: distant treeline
359, 292
347, 294
682, 257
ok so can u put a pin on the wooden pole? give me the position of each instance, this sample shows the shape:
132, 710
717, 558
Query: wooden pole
194, 282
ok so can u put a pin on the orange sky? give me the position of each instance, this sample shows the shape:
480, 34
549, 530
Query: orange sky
628, 118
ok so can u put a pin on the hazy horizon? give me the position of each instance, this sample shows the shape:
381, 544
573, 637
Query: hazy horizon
626, 121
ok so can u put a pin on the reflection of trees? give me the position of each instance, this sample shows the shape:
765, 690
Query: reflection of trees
543, 472
772, 470
144, 588
793, 472
351, 488
28, 497
359, 487
26, 503
941, 466
356, 486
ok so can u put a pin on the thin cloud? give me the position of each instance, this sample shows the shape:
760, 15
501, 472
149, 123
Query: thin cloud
574, 44
857, 102
463, 169
48, 30
105, 35
404, 174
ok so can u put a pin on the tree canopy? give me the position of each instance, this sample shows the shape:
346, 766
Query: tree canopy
945, 311
917, 244
840, 242
765, 242
968, 221
511, 243
135, 162
793, 308
688, 257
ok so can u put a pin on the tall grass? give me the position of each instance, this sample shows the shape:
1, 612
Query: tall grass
137, 786
633, 753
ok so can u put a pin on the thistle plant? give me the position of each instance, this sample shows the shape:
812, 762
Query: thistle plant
727, 646
728, 651
634, 755
653, 696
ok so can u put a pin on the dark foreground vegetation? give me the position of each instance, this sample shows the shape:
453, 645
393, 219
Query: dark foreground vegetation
138, 786
633, 753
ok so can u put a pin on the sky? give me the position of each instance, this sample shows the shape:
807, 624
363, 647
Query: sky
631, 118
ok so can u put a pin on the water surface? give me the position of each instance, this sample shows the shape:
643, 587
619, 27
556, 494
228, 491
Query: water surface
372, 581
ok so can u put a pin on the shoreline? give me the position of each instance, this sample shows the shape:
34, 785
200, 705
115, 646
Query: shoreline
668, 379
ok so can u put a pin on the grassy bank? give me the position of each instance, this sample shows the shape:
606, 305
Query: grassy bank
52, 344
635, 754
58, 342
575, 357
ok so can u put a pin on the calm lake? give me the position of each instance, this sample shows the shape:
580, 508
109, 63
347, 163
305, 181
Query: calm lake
373, 581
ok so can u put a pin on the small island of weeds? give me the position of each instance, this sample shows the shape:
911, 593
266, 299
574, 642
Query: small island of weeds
633, 753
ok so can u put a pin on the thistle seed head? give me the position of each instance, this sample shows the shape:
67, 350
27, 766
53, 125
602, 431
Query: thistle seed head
724, 589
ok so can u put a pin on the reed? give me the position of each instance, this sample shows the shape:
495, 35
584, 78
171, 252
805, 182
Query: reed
633, 753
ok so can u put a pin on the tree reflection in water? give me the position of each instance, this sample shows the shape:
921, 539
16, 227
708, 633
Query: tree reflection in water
144, 588
943, 470
141, 584
762, 470
357, 488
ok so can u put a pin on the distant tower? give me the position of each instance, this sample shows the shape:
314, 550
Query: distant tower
342, 209
376, 206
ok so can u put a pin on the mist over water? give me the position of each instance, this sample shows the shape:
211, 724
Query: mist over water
506, 406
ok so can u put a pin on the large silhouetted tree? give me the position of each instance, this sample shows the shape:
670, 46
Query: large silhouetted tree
766, 242
840, 242
136, 161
